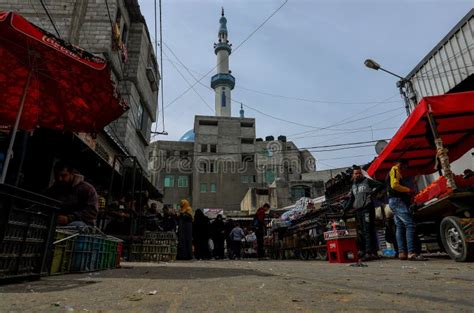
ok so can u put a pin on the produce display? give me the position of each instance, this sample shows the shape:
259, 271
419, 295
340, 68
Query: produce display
439, 188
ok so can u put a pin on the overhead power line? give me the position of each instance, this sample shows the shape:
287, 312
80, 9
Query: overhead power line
235, 49
50, 18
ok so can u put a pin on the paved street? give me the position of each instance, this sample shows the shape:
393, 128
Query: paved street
246, 286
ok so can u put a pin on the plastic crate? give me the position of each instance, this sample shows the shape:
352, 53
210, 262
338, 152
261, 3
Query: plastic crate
86, 256
27, 222
62, 253
160, 235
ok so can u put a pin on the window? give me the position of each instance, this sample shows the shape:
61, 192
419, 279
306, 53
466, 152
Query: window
183, 154
143, 121
208, 123
247, 141
169, 154
213, 148
204, 148
269, 176
248, 179
247, 158
124, 35
246, 124
211, 168
183, 181
213, 187
203, 187
169, 181
203, 167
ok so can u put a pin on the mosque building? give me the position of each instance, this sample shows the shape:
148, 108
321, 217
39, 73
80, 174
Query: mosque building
221, 165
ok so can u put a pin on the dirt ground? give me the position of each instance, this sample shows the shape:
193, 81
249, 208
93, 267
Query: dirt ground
252, 286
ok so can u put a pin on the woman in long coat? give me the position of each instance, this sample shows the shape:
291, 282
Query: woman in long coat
201, 235
185, 231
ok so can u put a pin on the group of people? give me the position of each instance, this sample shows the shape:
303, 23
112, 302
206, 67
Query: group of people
400, 193
209, 240
198, 238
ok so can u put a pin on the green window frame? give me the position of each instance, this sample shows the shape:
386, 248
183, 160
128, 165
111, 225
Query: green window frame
213, 187
182, 181
203, 187
169, 181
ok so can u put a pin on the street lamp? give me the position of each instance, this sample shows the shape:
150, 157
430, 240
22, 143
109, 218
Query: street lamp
402, 84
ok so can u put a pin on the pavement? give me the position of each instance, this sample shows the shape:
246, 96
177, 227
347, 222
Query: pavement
439, 285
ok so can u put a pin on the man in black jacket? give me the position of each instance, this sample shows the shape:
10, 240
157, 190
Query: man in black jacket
361, 202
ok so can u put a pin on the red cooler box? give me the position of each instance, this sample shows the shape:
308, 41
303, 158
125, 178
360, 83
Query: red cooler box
342, 246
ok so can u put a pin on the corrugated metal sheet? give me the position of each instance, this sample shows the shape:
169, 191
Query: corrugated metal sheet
448, 64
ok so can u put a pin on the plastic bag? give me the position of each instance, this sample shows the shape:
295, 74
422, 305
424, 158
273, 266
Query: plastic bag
210, 245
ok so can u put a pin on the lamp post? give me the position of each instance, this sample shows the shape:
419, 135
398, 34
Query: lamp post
404, 85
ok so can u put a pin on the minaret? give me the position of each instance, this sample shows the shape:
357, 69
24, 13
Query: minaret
242, 113
223, 82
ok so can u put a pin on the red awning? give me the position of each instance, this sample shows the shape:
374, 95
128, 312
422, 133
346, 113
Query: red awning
70, 89
454, 117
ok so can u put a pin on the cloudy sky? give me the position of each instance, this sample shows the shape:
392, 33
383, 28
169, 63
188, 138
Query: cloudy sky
303, 69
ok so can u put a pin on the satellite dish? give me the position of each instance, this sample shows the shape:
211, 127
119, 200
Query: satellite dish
380, 145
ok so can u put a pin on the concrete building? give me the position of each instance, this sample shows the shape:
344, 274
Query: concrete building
220, 164
448, 68
117, 31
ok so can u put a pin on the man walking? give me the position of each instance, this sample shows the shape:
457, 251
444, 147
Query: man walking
361, 202
399, 199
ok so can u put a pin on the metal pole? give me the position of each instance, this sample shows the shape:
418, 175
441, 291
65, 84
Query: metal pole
109, 196
15, 128
133, 211
401, 85
22, 157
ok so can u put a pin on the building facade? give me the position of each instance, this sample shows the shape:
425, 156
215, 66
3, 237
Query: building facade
220, 163
448, 68
116, 31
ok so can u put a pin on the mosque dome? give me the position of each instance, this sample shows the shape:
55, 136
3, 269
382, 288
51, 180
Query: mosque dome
188, 136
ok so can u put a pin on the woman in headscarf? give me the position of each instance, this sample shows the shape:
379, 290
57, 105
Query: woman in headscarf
185, 231
201, 235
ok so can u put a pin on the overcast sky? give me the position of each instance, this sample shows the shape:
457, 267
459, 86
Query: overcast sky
311, 50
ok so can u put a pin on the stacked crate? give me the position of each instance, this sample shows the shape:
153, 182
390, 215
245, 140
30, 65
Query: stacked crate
155, 247
82, 253
26, 224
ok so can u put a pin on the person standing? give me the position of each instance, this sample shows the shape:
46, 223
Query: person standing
218, 236
236, 236
361, 202
260, 228
201, 236
228, 226
169, 222
185, 231
399, 200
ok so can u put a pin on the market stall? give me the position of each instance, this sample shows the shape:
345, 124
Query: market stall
439, 131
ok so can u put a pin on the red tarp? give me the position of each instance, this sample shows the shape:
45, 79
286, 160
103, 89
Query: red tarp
454, 117
71, 89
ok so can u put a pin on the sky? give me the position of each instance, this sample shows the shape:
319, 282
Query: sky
303, 69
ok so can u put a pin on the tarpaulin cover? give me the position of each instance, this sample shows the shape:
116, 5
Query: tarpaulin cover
454, 117
71, 89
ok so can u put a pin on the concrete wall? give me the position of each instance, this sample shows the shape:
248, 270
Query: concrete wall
227, 136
